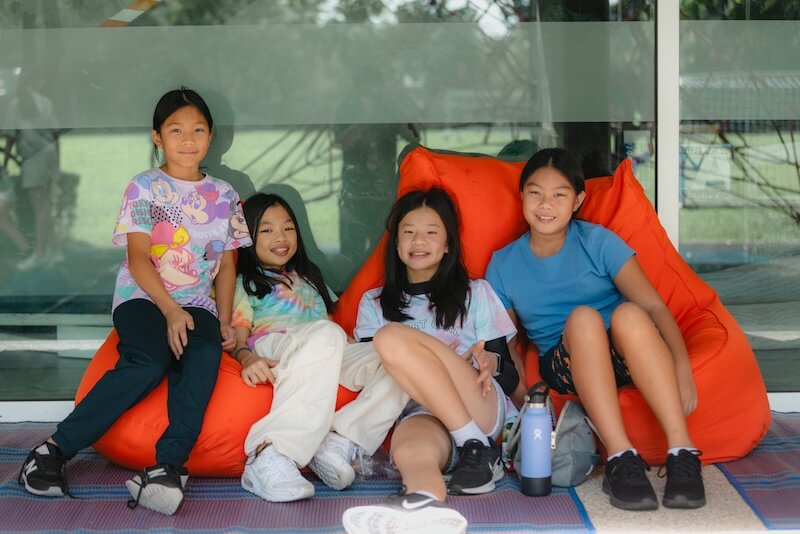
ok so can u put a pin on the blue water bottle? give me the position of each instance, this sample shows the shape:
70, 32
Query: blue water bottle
536, 431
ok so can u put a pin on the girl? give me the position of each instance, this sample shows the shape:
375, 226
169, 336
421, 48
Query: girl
176, 280
429, 320
284, 337
585, 302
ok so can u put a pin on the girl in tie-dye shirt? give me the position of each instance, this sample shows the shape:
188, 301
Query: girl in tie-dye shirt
444, 339
284, 338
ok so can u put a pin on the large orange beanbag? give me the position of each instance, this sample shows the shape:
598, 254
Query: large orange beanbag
219, 451
732, 414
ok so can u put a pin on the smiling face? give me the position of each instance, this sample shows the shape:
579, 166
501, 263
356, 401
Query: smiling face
548, 202
421, 243
184, 137
276, 238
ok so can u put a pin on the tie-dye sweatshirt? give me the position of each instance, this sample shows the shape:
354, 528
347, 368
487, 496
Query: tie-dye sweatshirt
286, 306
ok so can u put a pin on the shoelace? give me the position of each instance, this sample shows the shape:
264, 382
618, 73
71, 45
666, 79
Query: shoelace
681, 466
632, 469
283, 467
146, 475
471, 455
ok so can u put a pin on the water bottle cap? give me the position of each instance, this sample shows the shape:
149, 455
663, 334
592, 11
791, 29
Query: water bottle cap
537, 395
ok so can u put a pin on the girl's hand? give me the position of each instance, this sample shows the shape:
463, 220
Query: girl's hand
256, 370
687, 388
228, 337
179, 322
487, 365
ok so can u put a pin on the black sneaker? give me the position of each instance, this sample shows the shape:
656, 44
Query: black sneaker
159, 488
684, 488
43, 471
479, 467
627, 484
410, 512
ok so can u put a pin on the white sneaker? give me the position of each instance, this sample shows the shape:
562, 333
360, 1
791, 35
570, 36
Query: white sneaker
275, 477
332, 462
404, 513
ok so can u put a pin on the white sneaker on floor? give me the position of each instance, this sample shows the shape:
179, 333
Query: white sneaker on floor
275, 477
332, 462
404, 513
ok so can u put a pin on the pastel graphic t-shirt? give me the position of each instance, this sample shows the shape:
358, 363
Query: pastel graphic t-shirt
486, 318
190, 225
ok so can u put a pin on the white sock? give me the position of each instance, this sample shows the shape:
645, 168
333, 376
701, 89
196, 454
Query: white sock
620, 453
468, 432
675, 450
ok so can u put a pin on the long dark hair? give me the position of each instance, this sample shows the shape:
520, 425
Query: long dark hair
259, 281
449, 287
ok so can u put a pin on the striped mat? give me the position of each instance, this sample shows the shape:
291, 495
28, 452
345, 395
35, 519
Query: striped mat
221, 505
768, 478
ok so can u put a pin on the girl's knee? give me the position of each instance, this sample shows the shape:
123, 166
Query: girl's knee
629, 316
388, 341
584, 319
328, 329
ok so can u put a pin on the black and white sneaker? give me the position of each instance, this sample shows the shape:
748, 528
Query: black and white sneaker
410, 512
479, 467
159, 488
43, 471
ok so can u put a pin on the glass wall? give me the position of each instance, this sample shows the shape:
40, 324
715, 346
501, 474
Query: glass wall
740, 172
314, 100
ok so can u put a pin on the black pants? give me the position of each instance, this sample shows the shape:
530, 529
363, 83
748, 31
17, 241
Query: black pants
144, 359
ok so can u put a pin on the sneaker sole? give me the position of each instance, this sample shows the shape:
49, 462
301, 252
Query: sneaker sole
683, 503
645, 505
497, 474
276, 495
332, 477
52, 491
161, 499
383, 520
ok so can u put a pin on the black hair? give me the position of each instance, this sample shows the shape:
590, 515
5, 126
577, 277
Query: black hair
174, 100
559, 159
259, 281
448, 290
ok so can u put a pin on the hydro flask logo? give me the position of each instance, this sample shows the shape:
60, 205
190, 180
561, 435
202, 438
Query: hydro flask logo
537, 434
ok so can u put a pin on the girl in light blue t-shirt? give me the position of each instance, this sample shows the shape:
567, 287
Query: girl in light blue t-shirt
599, 324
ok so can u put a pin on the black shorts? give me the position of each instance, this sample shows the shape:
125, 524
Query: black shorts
555, 370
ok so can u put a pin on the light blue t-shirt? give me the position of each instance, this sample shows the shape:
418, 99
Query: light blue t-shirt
486, 318
544, 291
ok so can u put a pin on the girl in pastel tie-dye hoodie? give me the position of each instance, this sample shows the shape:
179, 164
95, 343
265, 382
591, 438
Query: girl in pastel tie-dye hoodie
284, 338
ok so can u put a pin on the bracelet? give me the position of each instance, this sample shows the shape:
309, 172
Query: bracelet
240, 349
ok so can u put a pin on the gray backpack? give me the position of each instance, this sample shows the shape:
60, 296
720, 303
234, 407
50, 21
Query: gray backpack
574, 447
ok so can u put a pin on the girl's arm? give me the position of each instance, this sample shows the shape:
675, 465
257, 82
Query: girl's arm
518, 396
255, 369
224, 284
634, 286
179, 321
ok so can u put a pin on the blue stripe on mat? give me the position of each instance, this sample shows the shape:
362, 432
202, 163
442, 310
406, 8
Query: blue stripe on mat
768, 479
220, 505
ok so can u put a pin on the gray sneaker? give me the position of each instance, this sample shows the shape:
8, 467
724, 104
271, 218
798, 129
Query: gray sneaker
159, 488
410, 512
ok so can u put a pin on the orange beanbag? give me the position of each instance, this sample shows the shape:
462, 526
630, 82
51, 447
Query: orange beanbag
732, 414
219, 451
